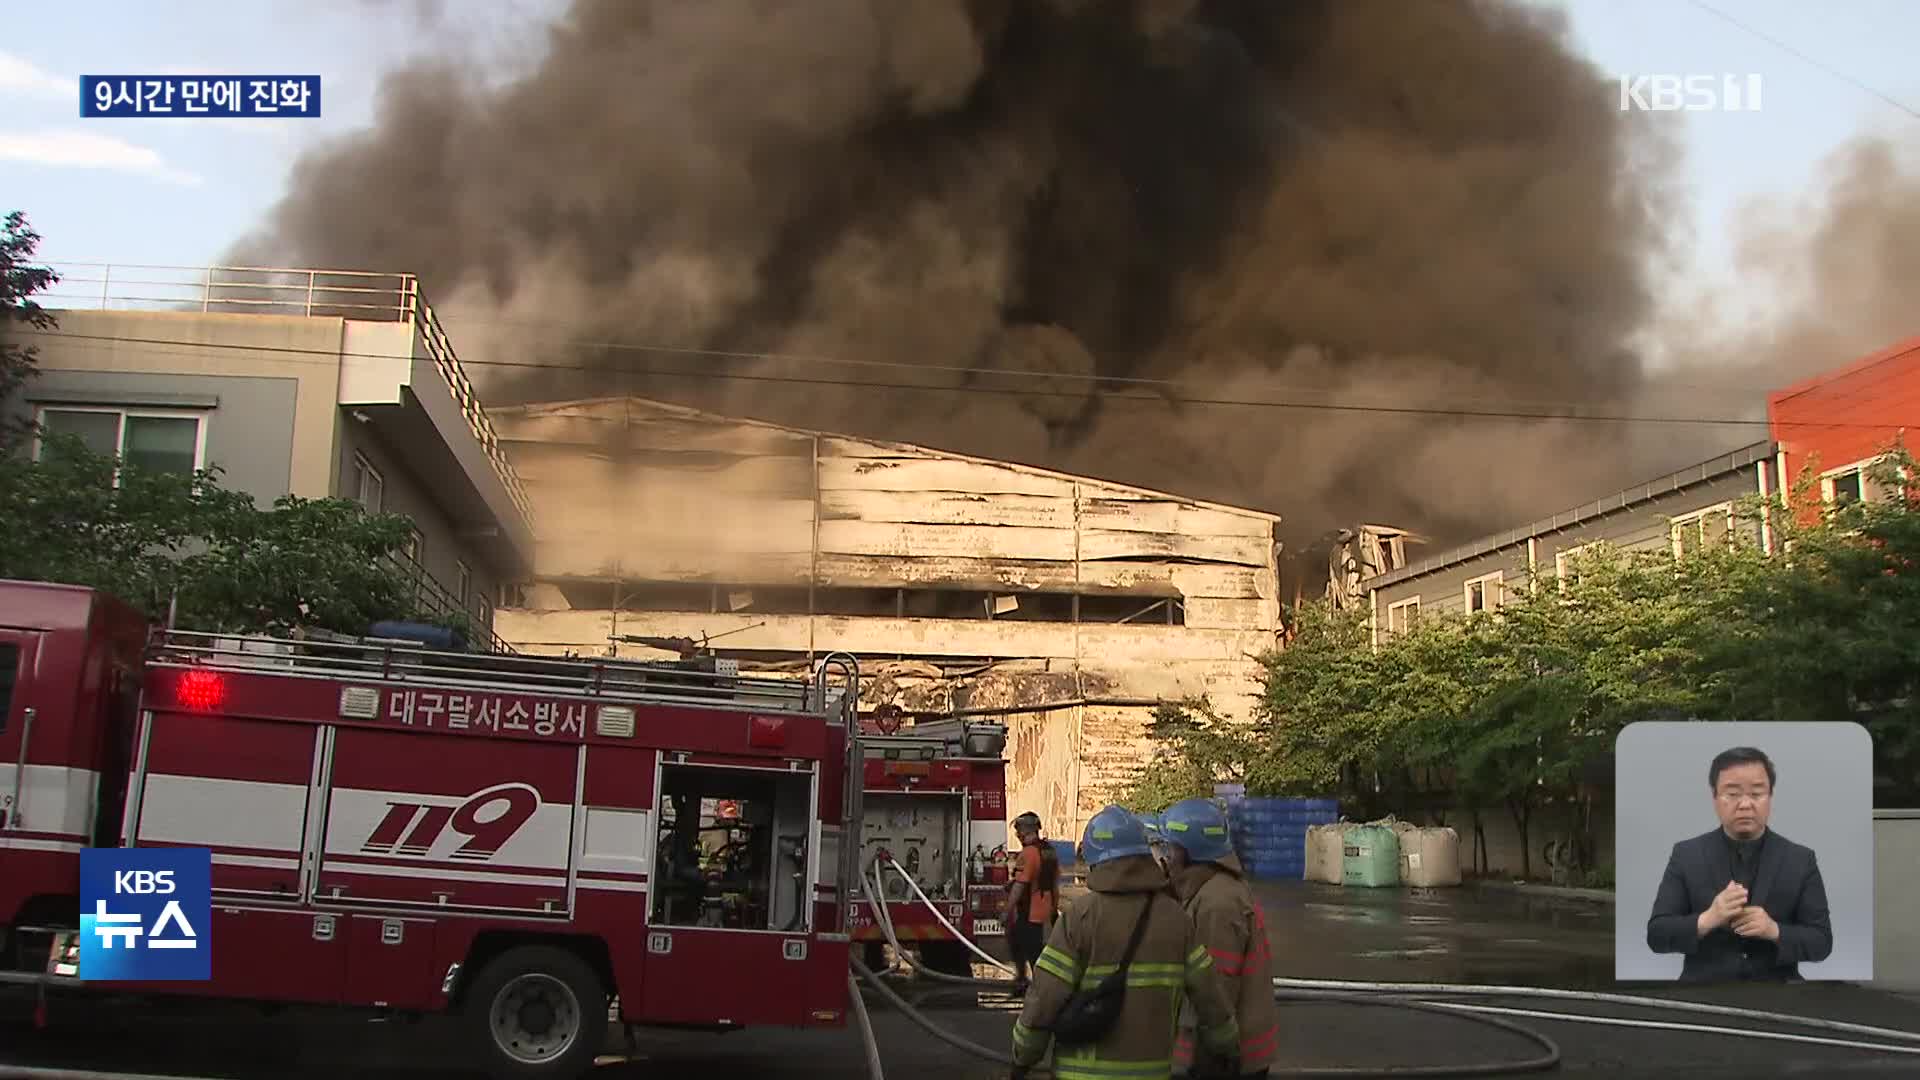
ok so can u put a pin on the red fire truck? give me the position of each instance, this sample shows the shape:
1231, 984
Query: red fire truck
531, 843
935, 805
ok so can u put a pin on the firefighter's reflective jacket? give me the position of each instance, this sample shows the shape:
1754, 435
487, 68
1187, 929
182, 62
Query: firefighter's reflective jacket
1170, 968
1230, 925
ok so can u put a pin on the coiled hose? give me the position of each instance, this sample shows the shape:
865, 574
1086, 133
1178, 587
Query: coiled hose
885, 921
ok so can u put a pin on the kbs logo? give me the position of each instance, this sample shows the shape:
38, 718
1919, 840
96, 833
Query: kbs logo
488, 819
143, 882
146, 914
1690, 93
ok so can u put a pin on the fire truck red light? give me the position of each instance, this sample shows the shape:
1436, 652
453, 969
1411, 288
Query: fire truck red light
768, 732
202, 690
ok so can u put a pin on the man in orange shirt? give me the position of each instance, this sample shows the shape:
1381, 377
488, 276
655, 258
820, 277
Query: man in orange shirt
1033, 898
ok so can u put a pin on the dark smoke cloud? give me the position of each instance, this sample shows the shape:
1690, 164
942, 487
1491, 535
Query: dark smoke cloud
1395, 202
1819, 280
1841, 264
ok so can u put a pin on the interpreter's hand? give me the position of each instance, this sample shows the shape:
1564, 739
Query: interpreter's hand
1754, 922
1724, 908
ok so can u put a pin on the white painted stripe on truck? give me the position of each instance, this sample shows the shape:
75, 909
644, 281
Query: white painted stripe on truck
263, 862
53, 798
23, 844
203, 811
604, 885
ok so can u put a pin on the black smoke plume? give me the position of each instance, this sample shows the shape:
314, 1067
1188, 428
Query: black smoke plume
1396, 204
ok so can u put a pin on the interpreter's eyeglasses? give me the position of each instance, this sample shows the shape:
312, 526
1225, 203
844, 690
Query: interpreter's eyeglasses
1734, 796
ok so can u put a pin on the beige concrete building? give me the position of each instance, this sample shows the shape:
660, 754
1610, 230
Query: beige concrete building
1065, 604
309, 383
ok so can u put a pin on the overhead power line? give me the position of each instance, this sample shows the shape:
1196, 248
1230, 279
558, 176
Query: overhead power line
1833, 71
292, 354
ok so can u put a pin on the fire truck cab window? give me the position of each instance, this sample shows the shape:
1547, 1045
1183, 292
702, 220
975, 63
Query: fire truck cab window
9, 667
732, 849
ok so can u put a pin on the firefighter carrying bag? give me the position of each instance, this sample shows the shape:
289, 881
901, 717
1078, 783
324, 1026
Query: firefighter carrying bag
1089, 1014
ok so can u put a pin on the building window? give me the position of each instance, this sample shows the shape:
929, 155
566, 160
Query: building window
1402, 615
483, 612
464, 584
1484, 593
1853, 484
1566, 564
166, 442
369, 488
1702, 529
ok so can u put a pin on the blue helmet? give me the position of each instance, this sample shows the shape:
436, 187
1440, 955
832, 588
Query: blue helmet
1113, 833
1151, 823
1199, 826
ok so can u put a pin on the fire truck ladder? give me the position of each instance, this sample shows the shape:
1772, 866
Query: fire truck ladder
841, 705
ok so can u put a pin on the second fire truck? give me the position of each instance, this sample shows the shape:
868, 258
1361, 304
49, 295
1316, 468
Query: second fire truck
935, 811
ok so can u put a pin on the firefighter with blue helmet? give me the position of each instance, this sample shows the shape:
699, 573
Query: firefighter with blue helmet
1212, 887
1128, 900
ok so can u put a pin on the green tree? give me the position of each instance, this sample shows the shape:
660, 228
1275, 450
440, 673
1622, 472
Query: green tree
1321, 727
20, 281
160, 540
1518, 708
1830, 630
1196, 749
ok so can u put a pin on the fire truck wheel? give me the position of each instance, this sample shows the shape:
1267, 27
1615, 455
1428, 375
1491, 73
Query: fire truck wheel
538, 1011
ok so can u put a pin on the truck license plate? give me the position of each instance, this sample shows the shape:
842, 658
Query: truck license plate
985, 927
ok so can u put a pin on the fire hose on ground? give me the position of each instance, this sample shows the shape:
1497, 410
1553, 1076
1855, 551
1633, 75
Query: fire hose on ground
1549, 1058
1405, 996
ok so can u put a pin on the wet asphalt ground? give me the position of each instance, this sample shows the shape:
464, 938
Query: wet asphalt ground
1318, 932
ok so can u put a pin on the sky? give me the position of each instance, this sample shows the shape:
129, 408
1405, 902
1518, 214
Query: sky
178, 192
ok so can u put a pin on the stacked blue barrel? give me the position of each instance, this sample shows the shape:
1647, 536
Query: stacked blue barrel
1270, 835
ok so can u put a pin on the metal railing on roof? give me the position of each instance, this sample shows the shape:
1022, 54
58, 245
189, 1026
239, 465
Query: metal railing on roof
434, 599
263, 290
253, 290
441, 349
380, 660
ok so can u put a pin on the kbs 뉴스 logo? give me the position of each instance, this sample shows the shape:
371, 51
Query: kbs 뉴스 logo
146, 914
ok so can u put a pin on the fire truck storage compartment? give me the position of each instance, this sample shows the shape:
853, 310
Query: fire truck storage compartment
236, 785
923, 831
449, 822
390, 961
732, 848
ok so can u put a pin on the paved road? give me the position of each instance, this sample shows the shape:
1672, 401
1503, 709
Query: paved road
1437, 935
1318, 932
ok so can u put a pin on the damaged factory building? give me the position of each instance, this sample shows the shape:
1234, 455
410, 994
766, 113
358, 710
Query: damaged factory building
1065, 606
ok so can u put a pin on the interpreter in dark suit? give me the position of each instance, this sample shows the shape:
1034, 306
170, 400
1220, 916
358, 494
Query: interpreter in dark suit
1742, 901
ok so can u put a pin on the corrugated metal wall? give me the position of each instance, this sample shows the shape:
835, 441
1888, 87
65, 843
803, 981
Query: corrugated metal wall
630, 493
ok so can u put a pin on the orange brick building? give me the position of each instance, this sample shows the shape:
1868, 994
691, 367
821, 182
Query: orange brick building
1839, 423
